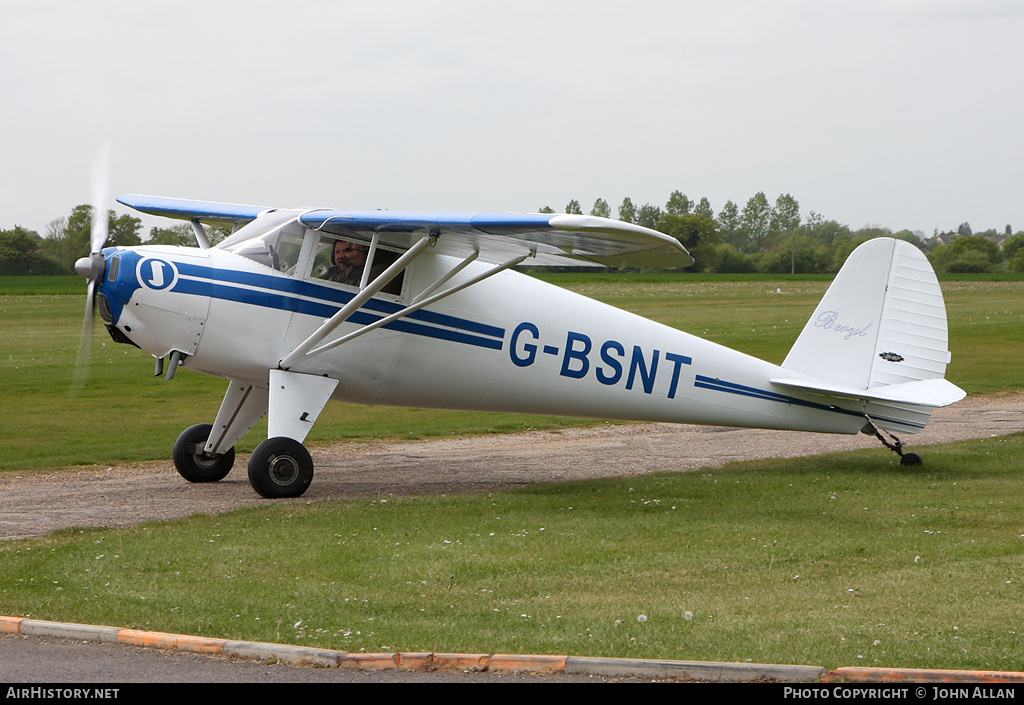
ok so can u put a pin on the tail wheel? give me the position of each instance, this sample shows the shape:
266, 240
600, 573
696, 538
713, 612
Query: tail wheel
280, 467
195, 465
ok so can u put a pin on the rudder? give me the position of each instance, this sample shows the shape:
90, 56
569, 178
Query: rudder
881, 326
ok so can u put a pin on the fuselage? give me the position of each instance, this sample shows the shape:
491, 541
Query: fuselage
511, 343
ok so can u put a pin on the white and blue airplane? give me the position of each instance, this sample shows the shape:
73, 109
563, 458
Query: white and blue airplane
300, 306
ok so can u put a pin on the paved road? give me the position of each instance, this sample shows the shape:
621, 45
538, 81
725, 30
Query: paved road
28, 660
34, 504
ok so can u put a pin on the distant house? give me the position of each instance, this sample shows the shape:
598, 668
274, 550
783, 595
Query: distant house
946, 238
937, 240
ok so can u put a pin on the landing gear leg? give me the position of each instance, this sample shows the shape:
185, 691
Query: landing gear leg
896, 445
281, 466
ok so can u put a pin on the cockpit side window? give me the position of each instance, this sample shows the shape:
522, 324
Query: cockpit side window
275, 242
344, 261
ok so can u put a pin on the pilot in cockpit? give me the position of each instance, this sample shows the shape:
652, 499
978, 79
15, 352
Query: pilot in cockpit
348, 259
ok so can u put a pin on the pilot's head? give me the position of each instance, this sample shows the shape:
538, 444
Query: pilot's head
349, 254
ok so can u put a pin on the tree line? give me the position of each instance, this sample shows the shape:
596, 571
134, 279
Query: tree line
774, 238
67, 239
761, 237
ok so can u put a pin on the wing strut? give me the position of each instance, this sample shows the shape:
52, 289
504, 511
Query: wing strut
451, 273
365, 279
200, 231
416, 306
365, 294
308, 347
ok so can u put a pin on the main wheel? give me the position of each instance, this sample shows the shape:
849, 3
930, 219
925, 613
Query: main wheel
195, 465
280, 467
911, 459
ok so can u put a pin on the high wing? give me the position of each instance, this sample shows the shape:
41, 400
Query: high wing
557, 239
203, 211
552, 239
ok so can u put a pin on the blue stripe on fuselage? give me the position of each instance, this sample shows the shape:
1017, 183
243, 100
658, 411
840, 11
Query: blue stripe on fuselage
718, 385
310, 298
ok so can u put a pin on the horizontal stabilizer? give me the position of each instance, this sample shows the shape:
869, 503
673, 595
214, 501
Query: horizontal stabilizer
926, 392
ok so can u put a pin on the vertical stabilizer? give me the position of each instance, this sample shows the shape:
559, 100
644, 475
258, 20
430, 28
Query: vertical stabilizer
882, 322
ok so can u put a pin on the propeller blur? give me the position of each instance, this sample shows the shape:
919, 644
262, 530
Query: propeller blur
93, 267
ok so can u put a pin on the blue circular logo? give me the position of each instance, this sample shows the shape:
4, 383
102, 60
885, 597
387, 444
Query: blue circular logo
156, 274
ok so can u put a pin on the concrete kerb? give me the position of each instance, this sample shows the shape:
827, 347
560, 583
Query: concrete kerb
861, 674
695, 670
419, 661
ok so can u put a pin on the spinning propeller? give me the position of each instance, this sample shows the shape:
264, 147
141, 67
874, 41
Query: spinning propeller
93, 267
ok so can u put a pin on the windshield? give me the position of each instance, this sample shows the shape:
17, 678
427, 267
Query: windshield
274, 239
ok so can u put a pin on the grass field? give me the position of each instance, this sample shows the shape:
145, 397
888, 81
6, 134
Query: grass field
829, 561
125, 413
845, 560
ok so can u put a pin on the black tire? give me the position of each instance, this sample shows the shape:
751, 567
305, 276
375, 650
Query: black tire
193, 464
911, 459
280, 467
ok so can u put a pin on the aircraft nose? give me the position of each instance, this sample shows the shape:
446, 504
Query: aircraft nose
83, 266
91, 267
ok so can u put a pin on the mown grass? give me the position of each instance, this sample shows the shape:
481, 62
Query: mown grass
833, 560
125, 413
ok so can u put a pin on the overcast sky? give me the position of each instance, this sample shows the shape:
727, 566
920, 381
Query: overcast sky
899, 113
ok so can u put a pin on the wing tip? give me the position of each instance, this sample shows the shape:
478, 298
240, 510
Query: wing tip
185, 209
